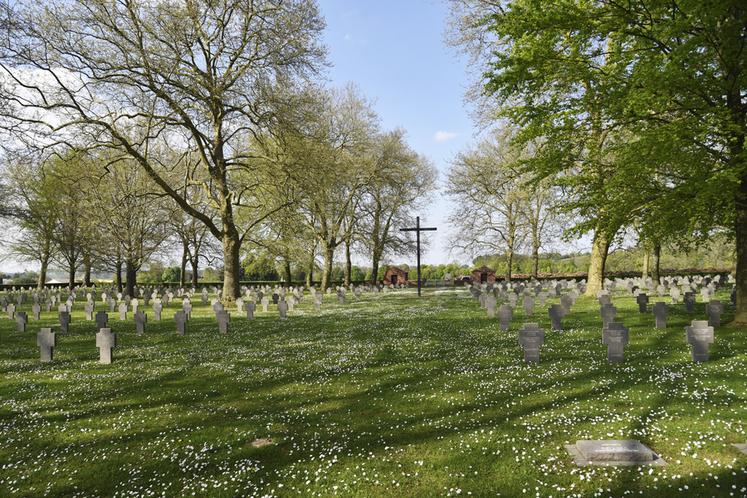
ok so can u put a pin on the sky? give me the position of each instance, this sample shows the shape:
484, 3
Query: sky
395, 52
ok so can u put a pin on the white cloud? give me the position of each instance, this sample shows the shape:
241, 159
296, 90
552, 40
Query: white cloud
443, 136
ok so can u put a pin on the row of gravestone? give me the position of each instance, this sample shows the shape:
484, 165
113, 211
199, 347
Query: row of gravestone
699, 335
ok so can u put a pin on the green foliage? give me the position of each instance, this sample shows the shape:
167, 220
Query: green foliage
171, 274
261, 267
25, 278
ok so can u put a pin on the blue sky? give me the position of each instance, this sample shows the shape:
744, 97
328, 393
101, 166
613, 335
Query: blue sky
395, 52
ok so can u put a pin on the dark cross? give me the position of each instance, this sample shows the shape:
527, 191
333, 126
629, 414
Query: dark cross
417, 231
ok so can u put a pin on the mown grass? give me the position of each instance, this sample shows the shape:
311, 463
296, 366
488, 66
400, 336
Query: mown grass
384, 396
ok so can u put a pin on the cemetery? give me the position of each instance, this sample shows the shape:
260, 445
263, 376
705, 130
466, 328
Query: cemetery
311, 248
318, 400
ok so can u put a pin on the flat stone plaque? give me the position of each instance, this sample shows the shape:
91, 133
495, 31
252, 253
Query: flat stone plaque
741, 447
612, 452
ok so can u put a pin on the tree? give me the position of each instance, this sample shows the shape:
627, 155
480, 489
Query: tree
400, 182
553, 74
35, 214
335, 143
685, 92
488, 190
131, 210
197, 74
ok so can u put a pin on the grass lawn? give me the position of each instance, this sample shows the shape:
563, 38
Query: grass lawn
386, 396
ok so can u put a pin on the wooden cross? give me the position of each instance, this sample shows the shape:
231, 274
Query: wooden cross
417, 229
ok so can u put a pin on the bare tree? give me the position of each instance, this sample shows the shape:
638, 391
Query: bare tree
199, 75
491, 202
401, 181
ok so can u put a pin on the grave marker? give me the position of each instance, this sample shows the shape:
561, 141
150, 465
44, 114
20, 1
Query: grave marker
140, 320
699, 334
46, 340
102, 320
616, 337
531, 338
21, 320
106, 341
223, 319
180, 317
660, 314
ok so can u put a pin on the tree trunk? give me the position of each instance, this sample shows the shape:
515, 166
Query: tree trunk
535, 260
655, 274
329, 255
740, 315
348, 264
183, 267
87, 272
130, 278
375, 267
71, 275
118, 275
509, 264
310, 269
195, 270
645, 267
287, 271
231, 266
599, 249
43, 271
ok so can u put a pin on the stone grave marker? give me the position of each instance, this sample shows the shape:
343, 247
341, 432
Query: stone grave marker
249, 308
123, 312
566, 302
689, 300
46, 340
180, 318
616, 337
283, 309
64, 321
157, 309
642, 301
11, 311
88, 308
608, 312
505, 313
556, 312
223, 319
660, 314
490, 304
21, 320
531, 338
102, 320
265, 304
699, 335
612, 452
528, 305
187, 308
140, 320
106, 341
36, 311
714, 310
675, 294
